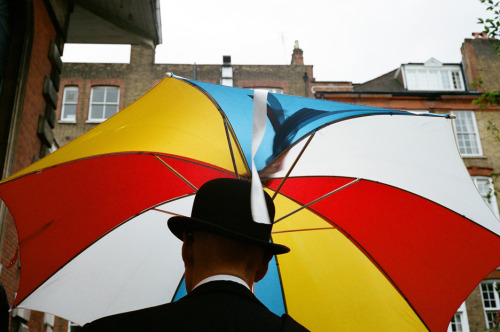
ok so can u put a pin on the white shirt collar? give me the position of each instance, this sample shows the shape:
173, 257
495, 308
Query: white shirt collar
224, 277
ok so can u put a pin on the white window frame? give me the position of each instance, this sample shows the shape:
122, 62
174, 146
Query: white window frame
433, 76
496, 299
489, 197
64, 118
460, 320
475, 132
103, 103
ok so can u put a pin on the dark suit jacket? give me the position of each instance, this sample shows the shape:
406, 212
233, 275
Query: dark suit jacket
214, 306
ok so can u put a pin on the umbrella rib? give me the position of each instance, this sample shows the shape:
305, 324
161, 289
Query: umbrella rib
318, 199
168, 212
231, 149
293, 165
176, 173
305, 229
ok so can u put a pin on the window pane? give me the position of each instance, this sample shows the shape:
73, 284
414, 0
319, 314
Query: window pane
487, 191
491, 316
112, 95
456, 323
70, 99
487, 291
110, 111
98, 94
69, 112
421, 79
105, 102
466, 133
467, 144
438, 79
96, 112
71, 95
484, 187
411, 79
457, 80
445, 80
433, 80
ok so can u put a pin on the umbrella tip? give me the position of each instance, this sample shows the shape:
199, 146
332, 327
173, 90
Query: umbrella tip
169, 74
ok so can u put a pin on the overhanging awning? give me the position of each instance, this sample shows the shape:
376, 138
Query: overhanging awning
115, 22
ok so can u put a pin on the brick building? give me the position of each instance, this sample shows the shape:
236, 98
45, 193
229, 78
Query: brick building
448, 88
83, 82
92, 92
32, 37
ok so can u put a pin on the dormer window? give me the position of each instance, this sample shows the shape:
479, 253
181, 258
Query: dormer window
433, 76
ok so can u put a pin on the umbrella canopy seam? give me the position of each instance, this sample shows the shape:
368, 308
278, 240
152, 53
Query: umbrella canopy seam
227, 124
176, 173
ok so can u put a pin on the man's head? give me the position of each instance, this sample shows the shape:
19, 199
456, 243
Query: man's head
207, 254
222, 206
221, 236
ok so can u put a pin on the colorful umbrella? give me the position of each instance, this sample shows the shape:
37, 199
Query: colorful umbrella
386, 228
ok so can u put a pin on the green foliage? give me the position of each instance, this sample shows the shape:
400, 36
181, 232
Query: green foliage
493, 129
492, 25
492, 30
488, 98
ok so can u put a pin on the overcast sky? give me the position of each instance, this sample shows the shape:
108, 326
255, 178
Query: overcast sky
354, 40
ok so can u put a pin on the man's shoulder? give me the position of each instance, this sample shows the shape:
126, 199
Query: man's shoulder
216, 307
290, 325
129, 321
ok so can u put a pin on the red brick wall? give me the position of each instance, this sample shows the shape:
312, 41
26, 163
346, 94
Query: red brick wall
34, 105
443, 104
251, 84
29, 145
481, 60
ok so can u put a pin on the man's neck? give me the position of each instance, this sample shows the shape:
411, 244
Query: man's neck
224, 277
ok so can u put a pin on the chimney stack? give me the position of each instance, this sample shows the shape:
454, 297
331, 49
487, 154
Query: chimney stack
297, 55
480, 35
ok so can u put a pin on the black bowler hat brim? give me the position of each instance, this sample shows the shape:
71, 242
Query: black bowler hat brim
179, 224
223, 206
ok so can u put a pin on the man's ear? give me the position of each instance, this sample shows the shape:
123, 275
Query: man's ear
264, 265
187, 248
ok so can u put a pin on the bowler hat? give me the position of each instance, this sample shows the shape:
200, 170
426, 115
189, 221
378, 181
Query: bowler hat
222, 206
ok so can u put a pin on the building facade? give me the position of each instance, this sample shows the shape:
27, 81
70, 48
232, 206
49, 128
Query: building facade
32, 38
449, 88
90, 93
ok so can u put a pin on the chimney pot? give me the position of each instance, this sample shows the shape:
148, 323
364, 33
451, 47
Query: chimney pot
297, 55
480, 35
